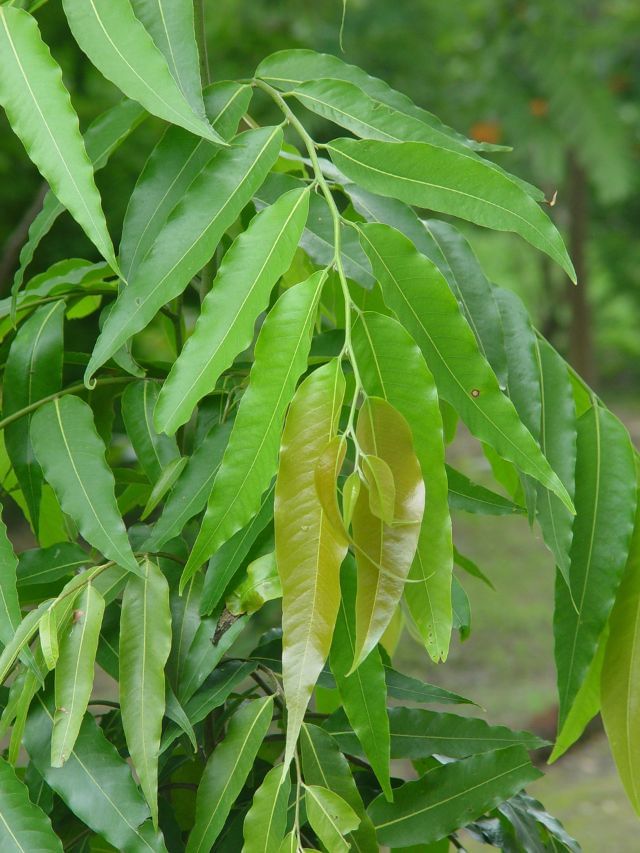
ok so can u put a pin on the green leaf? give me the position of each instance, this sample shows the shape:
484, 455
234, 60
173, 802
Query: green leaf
471, 568
103, 136
145, 641
39, 110
71, 454
468, 496
409, 689
118, 45
41, 571
421, 298
620, 693
323, 764
227, 560
95, 782
287, 69
450, 796
558, 442
392, 367
190, 493
384, 553
211, 204
226, 772
419, 733
363, 694
381, 487
74, 673
155, 452
36, 353
48, 630
330, 816
171, 25
204, 655
23, 635
250, 459
261, 584
266, 821
240, 292
24, 827
175, 162
449, 182
602, 529
10, 614
308, 549
164, 484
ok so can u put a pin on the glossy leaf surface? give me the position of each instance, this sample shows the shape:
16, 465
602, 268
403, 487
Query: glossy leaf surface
24, 826
155, 452
266, 821
330, 816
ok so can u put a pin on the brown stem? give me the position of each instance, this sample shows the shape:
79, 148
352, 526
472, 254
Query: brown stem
18, 237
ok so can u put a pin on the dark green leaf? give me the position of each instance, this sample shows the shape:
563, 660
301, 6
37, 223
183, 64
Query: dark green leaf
154, 451
24, 827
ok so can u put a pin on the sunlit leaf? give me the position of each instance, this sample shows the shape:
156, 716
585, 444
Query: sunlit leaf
330, 816
10, 614
266, 821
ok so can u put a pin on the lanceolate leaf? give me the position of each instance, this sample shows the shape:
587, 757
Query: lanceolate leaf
323, 764
385, 552
391, 366
330, 816
24, 827
145, 641
418, 733
189, 238
466, 495
39, 110
171, 25
450, 796
449, 182
605, 509
74, 673
204, 655
71, 454
413, 287
154, 451
620, 688
41, 571
173, 165
95, 782
363, 694
308, 549
240, 292
266, 821
102, 137
10, 615
250, 459
33, 371
226, 772
121, 49
190, 493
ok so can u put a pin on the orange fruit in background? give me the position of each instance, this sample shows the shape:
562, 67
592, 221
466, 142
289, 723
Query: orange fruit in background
538, 107
486, 131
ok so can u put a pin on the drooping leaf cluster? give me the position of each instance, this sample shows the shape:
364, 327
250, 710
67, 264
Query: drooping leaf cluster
288, 443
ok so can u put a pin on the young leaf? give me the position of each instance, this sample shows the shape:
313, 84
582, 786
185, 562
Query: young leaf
266, 821
171, 25
190, 493
449, 182
23, 635
39, 110
240, 292
175, 162
602, 529
118, 45
261, 584
363, 694
450, 796
468, 496
330, 816
103, 136
381, 487
48, 630
419, 733
155, 452
323, 764
250, 459
74, 673
392, 367
24, 826
384, 553
226, 772
308, 550
35, 355
413, 287
145, 641
71, 454
95, 782
211, 204
10, 614
620, 695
